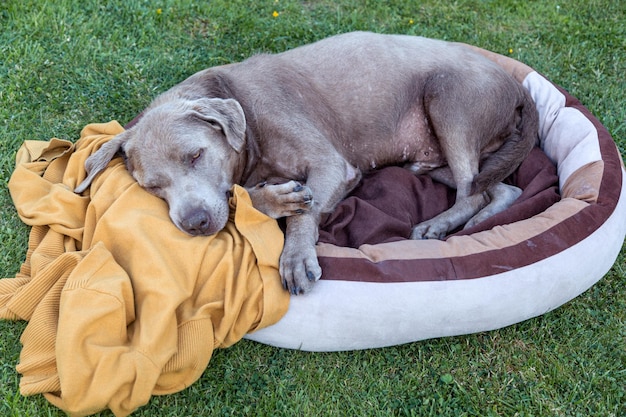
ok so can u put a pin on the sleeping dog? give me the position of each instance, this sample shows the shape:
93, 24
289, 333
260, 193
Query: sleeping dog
321, 115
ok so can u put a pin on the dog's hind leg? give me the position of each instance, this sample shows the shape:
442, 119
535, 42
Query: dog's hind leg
462, 158
501, 197
498, 198
465, 130
457, 215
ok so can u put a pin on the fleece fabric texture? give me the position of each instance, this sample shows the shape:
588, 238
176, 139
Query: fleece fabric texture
122, 305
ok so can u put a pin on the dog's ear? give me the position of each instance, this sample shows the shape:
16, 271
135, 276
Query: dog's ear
227, 114
98, 161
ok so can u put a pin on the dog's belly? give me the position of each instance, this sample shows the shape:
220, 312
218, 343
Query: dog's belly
413, 144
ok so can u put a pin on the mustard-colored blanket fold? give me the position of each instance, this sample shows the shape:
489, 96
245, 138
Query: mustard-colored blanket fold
121, 304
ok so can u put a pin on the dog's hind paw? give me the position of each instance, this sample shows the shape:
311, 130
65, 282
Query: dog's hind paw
281, 200
429, 230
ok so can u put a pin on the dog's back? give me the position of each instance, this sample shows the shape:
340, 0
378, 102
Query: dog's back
368, 93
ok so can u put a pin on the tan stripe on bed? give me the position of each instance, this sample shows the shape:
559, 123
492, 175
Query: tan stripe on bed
497, 238
584, 183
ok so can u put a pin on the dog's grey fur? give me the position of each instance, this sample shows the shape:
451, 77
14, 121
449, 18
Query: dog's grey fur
322, 114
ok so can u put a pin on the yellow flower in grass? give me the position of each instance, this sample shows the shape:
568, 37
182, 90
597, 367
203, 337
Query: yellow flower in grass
159, 11
275, 14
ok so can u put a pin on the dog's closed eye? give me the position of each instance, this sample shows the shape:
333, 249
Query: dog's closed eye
193, 158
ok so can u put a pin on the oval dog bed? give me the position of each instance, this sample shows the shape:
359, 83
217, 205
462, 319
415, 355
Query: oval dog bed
380, 289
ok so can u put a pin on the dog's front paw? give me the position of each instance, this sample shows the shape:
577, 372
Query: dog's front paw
429, 230
299, 269
281, 200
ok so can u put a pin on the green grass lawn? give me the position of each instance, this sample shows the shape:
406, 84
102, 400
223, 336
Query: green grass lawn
68, 63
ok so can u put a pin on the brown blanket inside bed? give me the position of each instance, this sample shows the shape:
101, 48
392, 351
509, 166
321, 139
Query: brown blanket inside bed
388, 202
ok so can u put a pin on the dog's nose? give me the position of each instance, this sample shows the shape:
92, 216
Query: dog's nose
197, 222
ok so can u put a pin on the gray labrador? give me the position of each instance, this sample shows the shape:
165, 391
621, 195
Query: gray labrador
322, 114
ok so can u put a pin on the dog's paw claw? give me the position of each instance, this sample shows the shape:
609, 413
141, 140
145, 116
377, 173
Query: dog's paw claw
428, 230
299, 269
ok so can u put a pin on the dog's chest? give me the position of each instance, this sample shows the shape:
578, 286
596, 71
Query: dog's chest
278, 165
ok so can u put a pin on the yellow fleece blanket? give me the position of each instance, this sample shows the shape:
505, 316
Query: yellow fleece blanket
121, 304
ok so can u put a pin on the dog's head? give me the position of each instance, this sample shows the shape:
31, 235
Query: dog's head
185, 152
